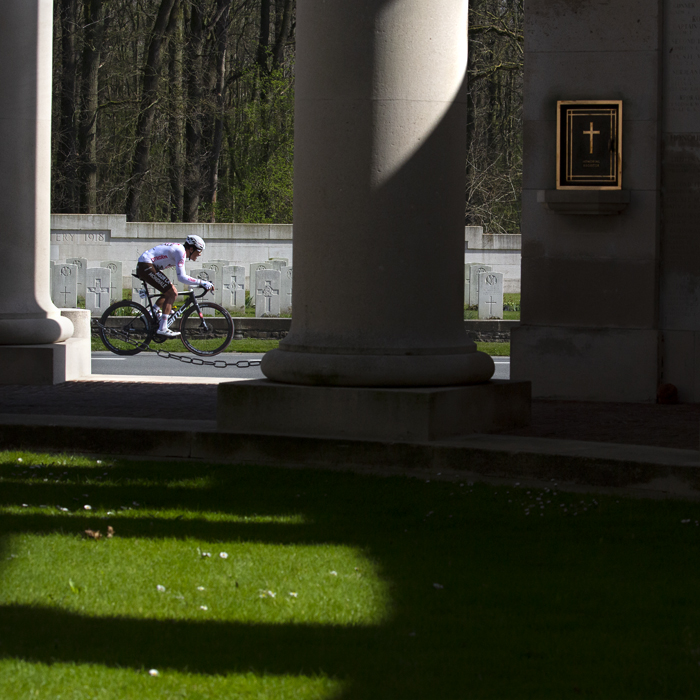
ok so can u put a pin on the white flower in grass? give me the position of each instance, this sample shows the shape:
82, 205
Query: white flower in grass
223, 555
160, 589
267, 594
200, 588
333, 573
203, 607
293, 594
19, 459
206, 554
153, 672
87, 507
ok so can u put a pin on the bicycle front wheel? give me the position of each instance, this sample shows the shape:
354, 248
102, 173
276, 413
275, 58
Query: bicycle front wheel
208, 334
126, 328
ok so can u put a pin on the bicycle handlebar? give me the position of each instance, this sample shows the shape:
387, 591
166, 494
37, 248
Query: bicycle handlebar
199, 296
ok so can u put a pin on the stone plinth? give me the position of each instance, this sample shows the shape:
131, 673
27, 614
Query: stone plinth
263, 407
45, 364
50, 363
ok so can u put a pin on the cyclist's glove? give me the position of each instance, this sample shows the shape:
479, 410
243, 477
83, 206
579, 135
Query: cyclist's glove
206, 285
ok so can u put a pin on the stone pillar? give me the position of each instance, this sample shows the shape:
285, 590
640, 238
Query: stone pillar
27, 315
379, 197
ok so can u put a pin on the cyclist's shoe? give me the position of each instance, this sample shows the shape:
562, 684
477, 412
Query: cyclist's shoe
167, 333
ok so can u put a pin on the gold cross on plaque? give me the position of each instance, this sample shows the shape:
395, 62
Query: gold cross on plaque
591, 133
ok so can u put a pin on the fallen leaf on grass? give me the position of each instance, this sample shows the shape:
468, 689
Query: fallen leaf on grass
97, 535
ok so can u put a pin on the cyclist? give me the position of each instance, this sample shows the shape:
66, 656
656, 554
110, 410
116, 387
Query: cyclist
149, 269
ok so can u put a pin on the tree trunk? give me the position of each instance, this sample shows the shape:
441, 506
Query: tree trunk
193, 127
176, 123
149, 99
92, 49
66, 155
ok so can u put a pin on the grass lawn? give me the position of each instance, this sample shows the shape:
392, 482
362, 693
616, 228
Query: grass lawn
257, 345
243, 582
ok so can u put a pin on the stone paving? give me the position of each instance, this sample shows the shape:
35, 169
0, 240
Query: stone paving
676, 426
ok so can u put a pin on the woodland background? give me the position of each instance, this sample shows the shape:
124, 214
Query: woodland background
183, 110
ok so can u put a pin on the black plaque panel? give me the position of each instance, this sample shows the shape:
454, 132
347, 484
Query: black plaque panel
589, 145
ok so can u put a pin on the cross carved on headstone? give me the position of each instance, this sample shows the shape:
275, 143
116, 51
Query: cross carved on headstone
98, 290
65, 292
268, 292
491, 303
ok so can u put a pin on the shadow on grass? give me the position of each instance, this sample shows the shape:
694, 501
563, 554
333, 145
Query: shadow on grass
601, 604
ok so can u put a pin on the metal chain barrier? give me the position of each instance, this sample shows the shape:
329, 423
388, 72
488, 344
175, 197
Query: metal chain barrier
219, 364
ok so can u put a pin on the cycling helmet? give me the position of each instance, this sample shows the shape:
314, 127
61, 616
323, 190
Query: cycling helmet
195, 242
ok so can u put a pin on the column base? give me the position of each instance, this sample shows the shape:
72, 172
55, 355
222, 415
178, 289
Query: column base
40, 365
263, 407
326, 369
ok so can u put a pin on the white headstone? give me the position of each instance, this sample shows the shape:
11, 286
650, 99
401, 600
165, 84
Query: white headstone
81, 264
209, 275
233, 288
267, 292
251, 277
64, 286
115, 289
97, 289
286, 290
476, 270
490, 295
278, 264
217, 267
467, 272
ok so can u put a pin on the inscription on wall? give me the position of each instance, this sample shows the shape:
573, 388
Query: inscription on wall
680, 180
682, 65
80, 237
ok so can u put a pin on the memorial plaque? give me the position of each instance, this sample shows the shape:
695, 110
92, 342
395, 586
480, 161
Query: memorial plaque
589, 145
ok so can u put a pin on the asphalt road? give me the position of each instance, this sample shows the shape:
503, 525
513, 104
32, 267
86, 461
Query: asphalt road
150, 364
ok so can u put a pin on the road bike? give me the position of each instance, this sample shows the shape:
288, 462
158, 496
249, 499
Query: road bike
127, 328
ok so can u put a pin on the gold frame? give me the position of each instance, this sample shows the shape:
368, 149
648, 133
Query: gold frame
609, 103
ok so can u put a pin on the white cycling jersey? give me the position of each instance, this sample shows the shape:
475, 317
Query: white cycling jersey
170, 255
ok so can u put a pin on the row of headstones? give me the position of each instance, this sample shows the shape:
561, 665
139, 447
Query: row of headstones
483, 288
101, 286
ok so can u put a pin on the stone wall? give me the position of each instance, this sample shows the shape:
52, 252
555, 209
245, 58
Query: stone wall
99, 237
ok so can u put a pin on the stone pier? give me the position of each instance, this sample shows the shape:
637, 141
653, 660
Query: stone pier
379, 180
28, 318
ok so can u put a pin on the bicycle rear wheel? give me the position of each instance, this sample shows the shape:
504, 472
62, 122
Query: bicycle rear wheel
126, 328
209, 334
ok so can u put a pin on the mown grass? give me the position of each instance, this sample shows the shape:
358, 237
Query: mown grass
263, 345
405, 588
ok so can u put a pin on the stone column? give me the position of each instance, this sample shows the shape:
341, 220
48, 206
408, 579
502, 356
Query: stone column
379, 197
27, 315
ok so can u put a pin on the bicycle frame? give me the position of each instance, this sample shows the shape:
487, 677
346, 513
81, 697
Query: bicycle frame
176, 313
